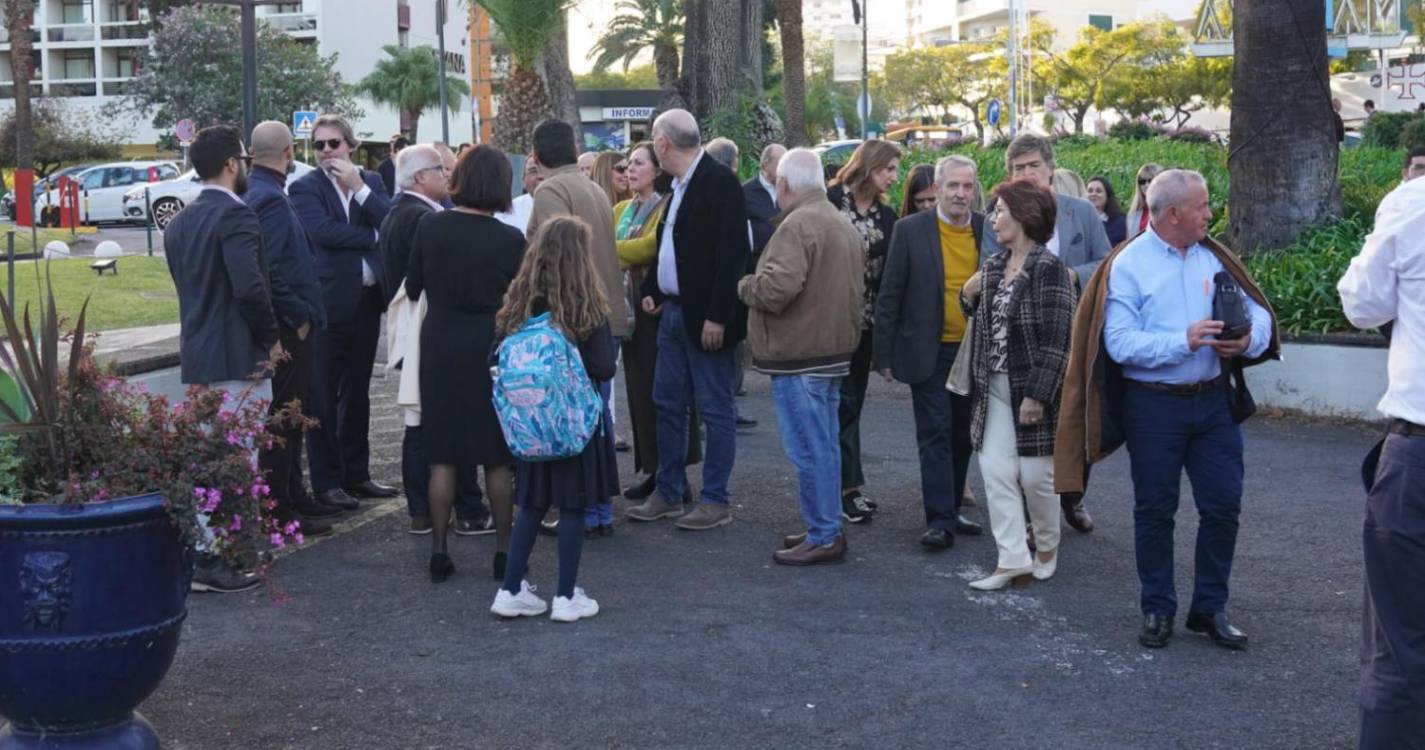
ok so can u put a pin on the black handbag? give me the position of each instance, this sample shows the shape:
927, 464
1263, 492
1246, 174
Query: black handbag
1239, 398
1229, 307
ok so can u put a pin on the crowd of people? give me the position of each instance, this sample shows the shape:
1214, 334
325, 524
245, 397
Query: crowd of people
1039, 327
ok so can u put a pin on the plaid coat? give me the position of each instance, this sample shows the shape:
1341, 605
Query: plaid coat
1041, 320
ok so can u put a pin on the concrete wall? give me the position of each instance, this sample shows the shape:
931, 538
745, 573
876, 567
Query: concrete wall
1323, 380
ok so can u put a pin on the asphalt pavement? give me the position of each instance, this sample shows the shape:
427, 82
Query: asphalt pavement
703, 643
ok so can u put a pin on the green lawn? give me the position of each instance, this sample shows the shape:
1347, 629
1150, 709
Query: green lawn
140, 295
23, 245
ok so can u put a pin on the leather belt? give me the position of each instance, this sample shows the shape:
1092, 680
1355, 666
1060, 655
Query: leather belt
1408, 429
1176, 389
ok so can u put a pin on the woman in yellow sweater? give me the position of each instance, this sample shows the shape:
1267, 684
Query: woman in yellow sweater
636, 225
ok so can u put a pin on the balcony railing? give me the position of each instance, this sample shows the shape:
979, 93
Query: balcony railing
134, 30
86, 88
76, 33
118, 88
291, 22
7, 90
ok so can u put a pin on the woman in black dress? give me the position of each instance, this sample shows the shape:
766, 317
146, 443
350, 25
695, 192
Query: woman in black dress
463, 260
859, 191
557, 279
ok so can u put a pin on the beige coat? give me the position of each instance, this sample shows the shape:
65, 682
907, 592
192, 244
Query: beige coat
566, 191
804, 300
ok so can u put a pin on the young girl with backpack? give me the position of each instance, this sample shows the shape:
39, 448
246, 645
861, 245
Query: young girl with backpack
556, 345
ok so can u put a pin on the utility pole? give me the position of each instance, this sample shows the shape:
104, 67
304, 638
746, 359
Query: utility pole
1012, 49
858, 15
440, 44
248, 10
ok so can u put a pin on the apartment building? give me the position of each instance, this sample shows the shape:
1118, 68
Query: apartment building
939, 22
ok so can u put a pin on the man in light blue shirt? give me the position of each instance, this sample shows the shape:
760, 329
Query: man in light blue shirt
1158, 326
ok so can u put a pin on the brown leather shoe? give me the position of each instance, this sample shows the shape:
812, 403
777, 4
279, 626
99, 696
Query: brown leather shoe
792, 540
807, 553
1078, 517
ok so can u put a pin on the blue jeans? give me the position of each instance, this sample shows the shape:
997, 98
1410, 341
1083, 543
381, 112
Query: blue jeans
415, 475
602, 514
1167, 433
808, 423
685, 372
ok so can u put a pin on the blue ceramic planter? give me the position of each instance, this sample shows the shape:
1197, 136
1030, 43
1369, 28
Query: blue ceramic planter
92, 602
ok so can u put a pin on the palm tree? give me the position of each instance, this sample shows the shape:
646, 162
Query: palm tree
640, 25
408, 80
526, 26
794, 73
19, 17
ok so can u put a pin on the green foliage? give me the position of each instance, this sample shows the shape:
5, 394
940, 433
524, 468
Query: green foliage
1383, 129
408, 80
1367, 174
640, 25
59, 138
1101, 63
193, 69
11, 462
637, 77
933, 79
1300, 280
525, 25
1132, 130
1413, 134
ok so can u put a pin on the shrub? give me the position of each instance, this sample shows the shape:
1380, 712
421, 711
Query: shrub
1132, 130
1383, 129
1191, 134
1300, 280
1367, 174
1413, 134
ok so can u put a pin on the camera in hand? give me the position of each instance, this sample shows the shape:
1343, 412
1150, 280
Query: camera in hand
1229, 306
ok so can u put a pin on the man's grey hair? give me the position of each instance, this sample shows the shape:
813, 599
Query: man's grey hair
412, 160
773, 152
680, 128
723, 151
943, 167
801, 168
1170, 188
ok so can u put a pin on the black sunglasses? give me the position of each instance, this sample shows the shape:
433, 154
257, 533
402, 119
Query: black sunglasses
1148, 181
330, 144
621, 168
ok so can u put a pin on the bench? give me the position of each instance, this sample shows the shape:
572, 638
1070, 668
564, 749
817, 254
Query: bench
108, 264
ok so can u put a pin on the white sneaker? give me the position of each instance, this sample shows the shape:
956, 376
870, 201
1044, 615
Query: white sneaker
572, 609
523, 604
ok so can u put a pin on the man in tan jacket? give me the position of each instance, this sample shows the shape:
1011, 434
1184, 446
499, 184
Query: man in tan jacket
567, 191
804, 325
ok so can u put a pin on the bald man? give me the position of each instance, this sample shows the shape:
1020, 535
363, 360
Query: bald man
297, 301
586, 163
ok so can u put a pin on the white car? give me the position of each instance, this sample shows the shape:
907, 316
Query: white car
102, 188
168, 198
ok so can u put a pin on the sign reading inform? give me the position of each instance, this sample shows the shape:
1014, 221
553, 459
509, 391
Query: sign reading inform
628, 113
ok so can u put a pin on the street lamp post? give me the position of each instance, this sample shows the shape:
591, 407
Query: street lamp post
248, 9
444, 96
858, 15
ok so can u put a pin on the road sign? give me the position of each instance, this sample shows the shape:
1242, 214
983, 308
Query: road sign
302, 123
186, 131
992, 113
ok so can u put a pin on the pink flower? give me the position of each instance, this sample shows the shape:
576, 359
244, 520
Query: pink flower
236, 525
277, 540
234, 439
300, 539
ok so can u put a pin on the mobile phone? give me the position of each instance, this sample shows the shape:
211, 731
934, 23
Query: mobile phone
1232, 334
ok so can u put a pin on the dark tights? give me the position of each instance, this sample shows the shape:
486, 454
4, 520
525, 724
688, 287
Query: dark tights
571, 544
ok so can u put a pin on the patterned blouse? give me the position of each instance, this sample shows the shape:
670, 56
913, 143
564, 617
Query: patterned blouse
875, 228
999, 325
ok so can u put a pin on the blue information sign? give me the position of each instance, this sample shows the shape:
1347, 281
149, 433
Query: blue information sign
992, 112
302, 123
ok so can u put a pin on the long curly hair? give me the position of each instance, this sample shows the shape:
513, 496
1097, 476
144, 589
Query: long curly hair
556, 276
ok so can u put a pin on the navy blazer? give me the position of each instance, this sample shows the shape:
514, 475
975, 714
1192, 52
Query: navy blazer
761, 209
291, 266
226, 325
397, 235
340, 243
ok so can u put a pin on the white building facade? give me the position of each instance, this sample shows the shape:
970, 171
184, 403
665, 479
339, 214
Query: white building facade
87, 52
939, 22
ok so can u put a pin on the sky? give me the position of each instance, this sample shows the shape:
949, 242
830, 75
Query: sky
586, 21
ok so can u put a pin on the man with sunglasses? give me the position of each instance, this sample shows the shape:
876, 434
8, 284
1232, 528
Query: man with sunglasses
227, 329
341, 207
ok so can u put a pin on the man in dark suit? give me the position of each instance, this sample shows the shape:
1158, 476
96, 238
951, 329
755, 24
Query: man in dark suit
226, 325
919, 330
703, 253
387, 167
760, 193
422, 174
1079, 240
297, 302
341, 206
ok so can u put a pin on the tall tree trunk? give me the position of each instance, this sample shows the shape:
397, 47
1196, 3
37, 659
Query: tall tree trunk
413, 116
794, 72
665, 62
712, 36
19, 15
553, 67
522, 107
1283, 156
750, 34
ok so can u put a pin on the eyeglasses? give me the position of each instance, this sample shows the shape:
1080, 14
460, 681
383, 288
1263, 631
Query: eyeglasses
246, 160
1142, 182
330, 144
620, 168
440, 167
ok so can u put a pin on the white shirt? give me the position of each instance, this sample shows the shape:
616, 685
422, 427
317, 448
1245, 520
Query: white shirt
368, 276
425, 198
1387, 282
667, 259
518, 215
769, 187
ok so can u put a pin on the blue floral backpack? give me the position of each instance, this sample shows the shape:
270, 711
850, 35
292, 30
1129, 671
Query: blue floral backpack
547, 406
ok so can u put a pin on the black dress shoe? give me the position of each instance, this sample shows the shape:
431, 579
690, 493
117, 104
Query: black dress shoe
1219, 629
339, 499
310, 528
1157, 630
441, 567
311, 509
621, 446
743, 423
937, 539
642, 490
370, 489
967, 527
1078, 517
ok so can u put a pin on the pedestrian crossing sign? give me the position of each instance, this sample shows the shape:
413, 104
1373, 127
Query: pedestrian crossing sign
302, 124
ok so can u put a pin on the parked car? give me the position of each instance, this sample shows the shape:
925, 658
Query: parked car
168, 198
7, 203
836, 152
102, 188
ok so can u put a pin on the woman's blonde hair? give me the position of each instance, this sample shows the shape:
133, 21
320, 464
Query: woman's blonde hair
603, 175
1140, 195
556, 276
868, 157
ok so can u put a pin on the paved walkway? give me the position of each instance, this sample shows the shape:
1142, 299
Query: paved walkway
702, 642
